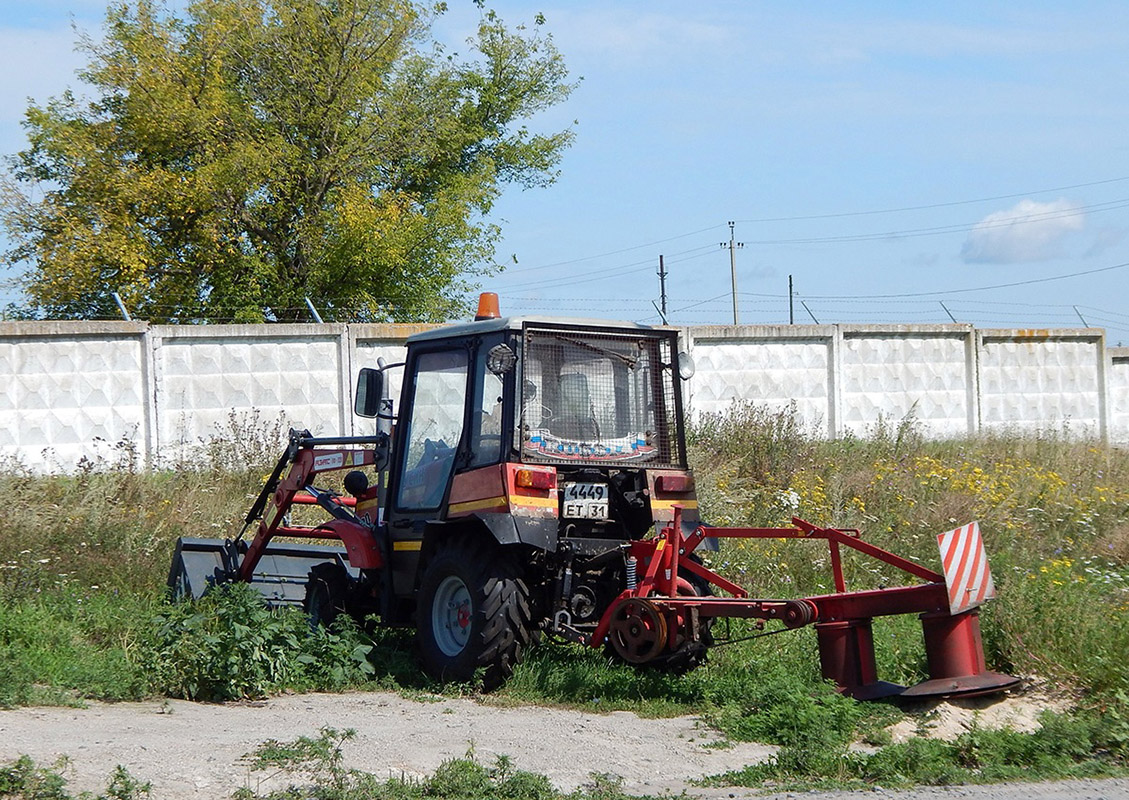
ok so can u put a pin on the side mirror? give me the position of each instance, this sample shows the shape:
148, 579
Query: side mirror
370, 390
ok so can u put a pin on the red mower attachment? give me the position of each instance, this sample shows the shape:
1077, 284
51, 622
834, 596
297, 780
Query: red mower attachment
661, 611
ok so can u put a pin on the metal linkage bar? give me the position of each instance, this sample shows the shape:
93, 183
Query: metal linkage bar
280, 493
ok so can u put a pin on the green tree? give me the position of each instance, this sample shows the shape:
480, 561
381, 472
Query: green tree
236, 159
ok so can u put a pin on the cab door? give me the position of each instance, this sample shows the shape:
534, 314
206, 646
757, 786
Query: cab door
429, 439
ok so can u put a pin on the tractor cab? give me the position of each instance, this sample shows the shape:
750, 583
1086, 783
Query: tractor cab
559, 435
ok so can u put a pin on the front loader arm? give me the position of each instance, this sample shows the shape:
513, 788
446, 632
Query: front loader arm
310, 456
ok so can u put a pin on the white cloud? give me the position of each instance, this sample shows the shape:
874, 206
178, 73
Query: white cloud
1030, 231
629, 37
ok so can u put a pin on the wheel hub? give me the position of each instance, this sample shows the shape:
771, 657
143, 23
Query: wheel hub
451, 615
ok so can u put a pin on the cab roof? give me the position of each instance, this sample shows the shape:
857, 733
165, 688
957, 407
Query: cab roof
480, 327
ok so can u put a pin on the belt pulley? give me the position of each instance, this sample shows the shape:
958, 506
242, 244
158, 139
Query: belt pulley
637, 630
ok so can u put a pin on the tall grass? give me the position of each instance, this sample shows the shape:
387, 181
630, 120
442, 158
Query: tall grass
83, 560
1053, 511
83, 563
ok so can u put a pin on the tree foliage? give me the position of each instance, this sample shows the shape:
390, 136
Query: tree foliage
231, 161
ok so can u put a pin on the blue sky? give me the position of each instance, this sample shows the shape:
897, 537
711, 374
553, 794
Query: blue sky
895, 159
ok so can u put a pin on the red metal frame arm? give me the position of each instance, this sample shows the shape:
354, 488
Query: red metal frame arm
653, 559
751, 533
712, 577
668, 580
307, 463
602, 626
922, 598
841, 537
307, 500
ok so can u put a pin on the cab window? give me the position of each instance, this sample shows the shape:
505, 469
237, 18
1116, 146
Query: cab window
434, 429
486, 424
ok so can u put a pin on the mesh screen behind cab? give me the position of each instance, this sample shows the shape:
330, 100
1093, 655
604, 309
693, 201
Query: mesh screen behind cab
603, 399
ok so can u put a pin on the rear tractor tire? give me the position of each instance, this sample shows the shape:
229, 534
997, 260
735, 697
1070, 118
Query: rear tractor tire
474, 613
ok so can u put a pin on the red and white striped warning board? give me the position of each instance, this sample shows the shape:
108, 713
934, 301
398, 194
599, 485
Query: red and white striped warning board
966, 567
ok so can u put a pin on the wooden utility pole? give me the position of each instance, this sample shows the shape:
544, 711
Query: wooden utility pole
791, 304
733, 266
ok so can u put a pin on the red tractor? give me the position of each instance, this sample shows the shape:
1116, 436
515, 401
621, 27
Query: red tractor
535, 480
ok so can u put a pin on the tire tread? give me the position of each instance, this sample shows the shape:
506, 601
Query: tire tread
503, 615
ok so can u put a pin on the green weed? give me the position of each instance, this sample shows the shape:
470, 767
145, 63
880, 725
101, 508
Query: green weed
1080, 745
229, 645
23, 780
315, 767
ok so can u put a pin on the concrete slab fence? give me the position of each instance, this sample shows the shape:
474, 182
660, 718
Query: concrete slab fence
75, 390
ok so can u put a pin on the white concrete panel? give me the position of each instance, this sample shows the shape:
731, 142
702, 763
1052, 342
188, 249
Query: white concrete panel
203, 380
894, 377
367, 353
1040, 382
69, 397
75, 389
1118, 378
773, 372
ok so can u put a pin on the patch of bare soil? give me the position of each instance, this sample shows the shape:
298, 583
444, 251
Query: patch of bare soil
948, 719
192, 751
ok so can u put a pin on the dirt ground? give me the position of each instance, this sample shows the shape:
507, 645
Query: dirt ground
192, 751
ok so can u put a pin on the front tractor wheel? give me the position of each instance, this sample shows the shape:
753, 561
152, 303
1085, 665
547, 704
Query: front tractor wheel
326, 591
473, 613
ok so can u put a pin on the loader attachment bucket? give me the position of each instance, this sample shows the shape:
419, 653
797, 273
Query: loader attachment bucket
280, 576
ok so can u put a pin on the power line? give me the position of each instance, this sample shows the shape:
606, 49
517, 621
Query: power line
911, 233
833, 215
588, 277
1106, 311
841, 214
615, 252
701, 303
976, 289
770, 298
599, 273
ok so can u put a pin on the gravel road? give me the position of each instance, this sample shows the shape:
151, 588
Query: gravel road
191, 751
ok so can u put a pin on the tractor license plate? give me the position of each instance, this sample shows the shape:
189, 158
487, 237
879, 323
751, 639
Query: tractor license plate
585, 501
